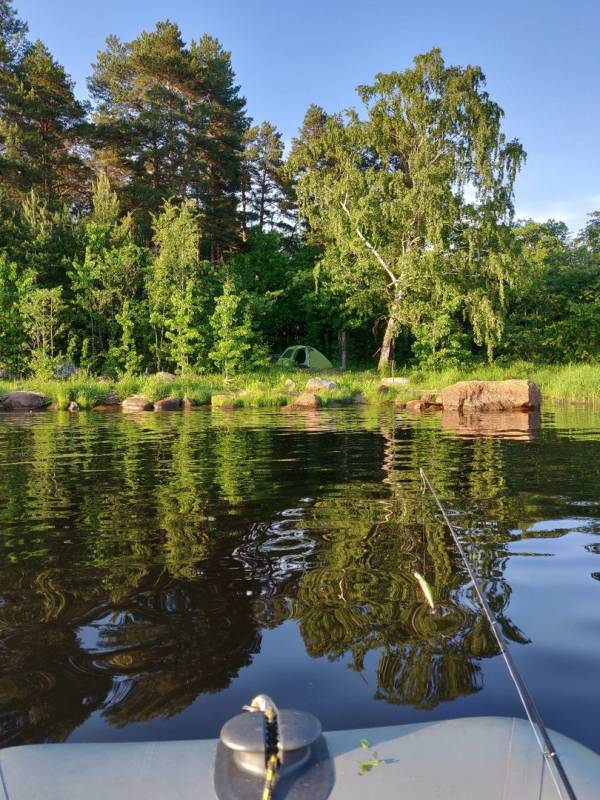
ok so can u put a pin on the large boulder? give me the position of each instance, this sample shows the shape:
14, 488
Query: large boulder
305, 400
23, 401
476, 396
136, 403
168, 404
320, 384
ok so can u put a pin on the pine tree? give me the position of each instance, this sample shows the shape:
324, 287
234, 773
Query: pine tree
217, 125
169, 126
42, 125
266, 193
13, 33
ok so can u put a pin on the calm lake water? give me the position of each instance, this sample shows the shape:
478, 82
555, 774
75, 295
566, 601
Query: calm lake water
158, 571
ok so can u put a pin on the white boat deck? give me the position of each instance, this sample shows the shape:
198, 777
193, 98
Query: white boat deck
481, 758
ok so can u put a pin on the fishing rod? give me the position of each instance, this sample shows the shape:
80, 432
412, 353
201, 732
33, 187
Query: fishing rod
555, 767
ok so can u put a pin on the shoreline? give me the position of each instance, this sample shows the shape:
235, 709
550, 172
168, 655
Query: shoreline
282, 388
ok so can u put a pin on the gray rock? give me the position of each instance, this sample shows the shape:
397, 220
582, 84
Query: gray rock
23, 401
136, 403
73, 406
383, 389
305, 400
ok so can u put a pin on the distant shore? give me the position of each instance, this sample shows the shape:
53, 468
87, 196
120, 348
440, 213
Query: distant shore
276, 388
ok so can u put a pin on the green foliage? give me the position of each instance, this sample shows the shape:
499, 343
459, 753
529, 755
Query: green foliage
386, 194
186, 251
41, 126
42, 311
235, 346
178, 288
13, 289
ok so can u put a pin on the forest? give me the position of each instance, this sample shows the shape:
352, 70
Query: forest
156, 226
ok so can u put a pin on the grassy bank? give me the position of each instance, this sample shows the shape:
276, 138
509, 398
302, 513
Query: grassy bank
567, 382
276, 387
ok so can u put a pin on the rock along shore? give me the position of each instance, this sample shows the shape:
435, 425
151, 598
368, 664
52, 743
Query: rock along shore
463, 398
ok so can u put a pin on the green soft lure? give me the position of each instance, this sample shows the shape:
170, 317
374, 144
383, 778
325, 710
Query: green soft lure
426, 589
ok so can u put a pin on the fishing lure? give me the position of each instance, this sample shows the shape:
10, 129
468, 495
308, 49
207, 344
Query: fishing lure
426, 589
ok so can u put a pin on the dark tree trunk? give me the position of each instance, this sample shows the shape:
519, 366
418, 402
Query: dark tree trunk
343, 338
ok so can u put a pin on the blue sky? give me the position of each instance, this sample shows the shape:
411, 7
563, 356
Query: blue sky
541, 58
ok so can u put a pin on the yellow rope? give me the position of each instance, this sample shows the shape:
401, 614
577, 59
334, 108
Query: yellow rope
267, 707
271, 777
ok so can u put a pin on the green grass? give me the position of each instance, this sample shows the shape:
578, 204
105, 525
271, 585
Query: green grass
568, 382
267, 388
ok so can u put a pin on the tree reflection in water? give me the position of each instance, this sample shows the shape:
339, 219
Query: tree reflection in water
142, 557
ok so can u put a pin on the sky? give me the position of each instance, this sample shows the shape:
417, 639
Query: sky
541, 59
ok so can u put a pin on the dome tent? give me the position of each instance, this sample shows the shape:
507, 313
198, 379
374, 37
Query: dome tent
301, 355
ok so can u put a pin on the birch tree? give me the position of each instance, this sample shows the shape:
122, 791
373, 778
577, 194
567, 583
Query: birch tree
411, 199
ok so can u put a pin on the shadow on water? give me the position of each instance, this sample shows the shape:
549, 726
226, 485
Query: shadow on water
148, 562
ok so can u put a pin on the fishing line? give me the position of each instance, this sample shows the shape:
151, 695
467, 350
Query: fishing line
555, 767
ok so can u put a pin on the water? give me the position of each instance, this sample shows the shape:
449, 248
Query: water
157, 571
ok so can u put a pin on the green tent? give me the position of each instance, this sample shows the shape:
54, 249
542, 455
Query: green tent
300, 355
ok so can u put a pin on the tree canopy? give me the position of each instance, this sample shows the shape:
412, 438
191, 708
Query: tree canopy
135, 224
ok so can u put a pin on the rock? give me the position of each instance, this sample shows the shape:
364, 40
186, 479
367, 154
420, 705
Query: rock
73, 406
23, 401
109, 399
168, 404
430, 397
416, 405
189, 402
103, 379
167, 377
359, 400
399, 404
476, 396
290, 387
318, 384
394, 381
305, 400
53, 407
66, 370
136, 403
383, 389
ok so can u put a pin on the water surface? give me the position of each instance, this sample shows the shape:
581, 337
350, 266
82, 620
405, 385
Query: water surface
157, 571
